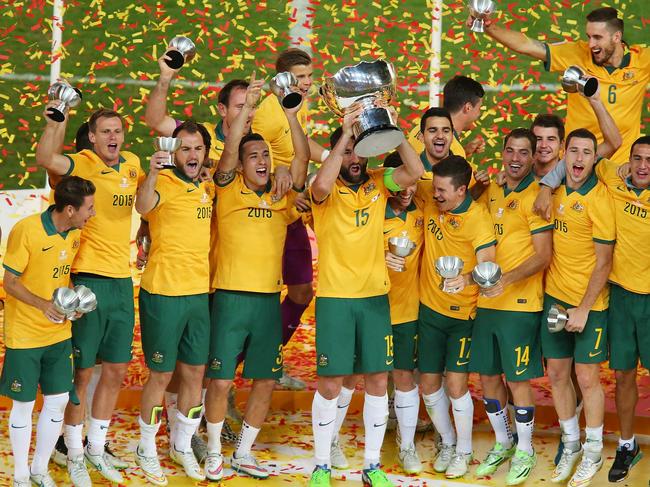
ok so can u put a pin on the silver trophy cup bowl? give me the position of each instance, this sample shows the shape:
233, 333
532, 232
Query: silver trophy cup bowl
70, 97
401, 247
574, 80
557, 318
480, 10
65, 301
284, 86
486, 274
365, 84
184, 53
170, 145
87, 299
449, 266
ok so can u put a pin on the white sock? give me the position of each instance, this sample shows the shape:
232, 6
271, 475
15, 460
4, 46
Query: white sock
185, 428
525, 423
594, 442
92, 387
629, 445
214, 436
375, 417
463, 409
342, 405
437, 404
73, 436
247, 436
48, 430
97, 429
20, 436
500, 421
171, 406
571, 432
323, 416
407, 406
148, 432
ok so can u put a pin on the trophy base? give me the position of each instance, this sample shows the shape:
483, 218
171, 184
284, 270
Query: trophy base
55, 114
378, 140
177, 60
292, 100
168, 166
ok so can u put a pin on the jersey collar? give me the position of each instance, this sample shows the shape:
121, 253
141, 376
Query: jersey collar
218, 130
267, 189
48, 223
625, 62
588, 185
464, 206
390, 213
116, 167
183, 177
425, 161
523, 184
631, 187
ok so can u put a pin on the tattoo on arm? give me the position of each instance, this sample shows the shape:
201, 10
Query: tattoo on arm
224, 177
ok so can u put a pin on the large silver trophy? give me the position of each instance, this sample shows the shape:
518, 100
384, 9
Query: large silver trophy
448, 267
169, 145
481, 10
557, 318
574, 80
401, 246
486, 274
185, 52
65, 301
366, 84
284, 86
70, 97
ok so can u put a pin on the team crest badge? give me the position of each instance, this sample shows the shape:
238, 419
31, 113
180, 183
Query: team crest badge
369, 188
323, 361
16, 386
124, 183
157, 358
577, 207
75, 244
204, 198
513, 205
454, 223
628, 75
63, 255
215, 364
419, 222
133, 173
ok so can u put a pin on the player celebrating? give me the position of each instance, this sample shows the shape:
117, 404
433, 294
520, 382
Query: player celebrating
623, 71
40, 251
506, 337
455, 226
102, 264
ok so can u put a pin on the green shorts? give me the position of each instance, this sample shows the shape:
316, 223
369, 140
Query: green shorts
405, 345
24, 369
588, 347
174, 328
506, 342
444, 342
250, 323
628, 329
107, 332
353, 336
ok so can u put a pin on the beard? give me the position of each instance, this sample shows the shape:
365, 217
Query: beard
606, 54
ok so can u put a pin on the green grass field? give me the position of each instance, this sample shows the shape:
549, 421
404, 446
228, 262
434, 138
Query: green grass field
120, 41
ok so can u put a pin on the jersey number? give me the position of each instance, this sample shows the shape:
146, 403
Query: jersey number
122, 200
498, 228
635, 210
433, 228
522, 357
561, 226
204, 212
259, 213
611, 94
361, 217
60, 271
389, 345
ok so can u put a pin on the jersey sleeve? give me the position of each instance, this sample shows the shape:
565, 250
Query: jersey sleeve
77, 166
164, 191
601, 213
536, 224
607, 172
553, 179
17, 255
483, 234
561, 55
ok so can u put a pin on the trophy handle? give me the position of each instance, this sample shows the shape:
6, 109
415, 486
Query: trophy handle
478, 25
56, 113
177, 59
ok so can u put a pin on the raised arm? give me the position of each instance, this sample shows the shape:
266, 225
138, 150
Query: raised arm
301, 150
155, 115
612, 139
147, 198
411, 170
514, 40
48, 150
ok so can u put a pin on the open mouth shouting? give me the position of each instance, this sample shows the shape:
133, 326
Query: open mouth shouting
577, 170
112, 148
262, 171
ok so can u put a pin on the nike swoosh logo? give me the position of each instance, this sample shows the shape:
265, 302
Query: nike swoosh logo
244, 192
343, 407
54, 421
389, 362
18, 427
404, 407
592, 354
343, 192
287, 131
275, 369
379, 425
459, 363
492, 200
325, 424
107, 172
519, 372
189, 190
103, 427
47, 248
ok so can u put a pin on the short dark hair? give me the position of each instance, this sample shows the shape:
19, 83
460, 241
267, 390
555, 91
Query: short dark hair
643, 140
582, 134
435, 112
228, 88
609, 16
72, 190
548, 120
250, 137
522, 133
291, 57
191, 127
460, 90
81, 140
456, 168
102, 113
393, 160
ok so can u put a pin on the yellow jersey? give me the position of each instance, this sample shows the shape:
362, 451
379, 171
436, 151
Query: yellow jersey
462, 233
415, 138
631, 265
179, 226
272, 124
622, 90
41, 257
514, 225
349, 226
582, 217
252, 228
106, 239
404, 295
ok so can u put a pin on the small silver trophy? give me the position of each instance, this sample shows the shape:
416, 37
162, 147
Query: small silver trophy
284, 86
184, 53
486, 274
365, 84
481, 10
169, 145
557, 318
401, 246
448, 267
70, 97
87, 299
574, 80
65, 301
